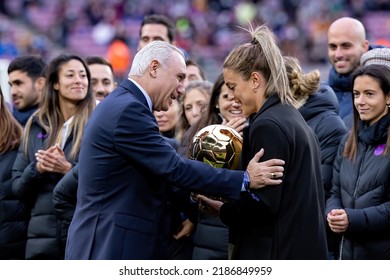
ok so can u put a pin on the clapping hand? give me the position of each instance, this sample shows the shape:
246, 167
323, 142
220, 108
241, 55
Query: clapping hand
52, 160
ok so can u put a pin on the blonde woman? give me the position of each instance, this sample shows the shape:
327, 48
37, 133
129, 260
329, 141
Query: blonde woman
274, 222
50, 149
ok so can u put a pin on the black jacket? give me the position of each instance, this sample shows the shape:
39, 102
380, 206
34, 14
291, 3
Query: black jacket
44, 229
278, 226
65, 198
13, 218
211, 238
362, 188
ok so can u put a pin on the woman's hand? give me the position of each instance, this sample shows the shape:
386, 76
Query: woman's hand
338, 220
52, 160
238, 124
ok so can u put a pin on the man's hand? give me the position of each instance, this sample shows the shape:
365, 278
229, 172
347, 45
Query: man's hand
264, 173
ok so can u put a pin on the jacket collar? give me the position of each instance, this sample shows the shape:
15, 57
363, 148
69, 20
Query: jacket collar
269, 102
135, 90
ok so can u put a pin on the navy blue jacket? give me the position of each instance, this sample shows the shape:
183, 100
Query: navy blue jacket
125, 170
321, 113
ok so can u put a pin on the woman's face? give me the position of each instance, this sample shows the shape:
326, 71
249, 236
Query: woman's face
228, 108
369, 99
194, 104
167, 120
242, 91
72, 81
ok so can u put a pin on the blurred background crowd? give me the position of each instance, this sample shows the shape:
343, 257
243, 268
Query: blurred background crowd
206, 29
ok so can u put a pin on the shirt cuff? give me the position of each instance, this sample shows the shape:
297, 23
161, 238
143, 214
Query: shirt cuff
245, 186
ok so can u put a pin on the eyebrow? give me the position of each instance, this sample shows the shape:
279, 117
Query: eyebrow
74, 71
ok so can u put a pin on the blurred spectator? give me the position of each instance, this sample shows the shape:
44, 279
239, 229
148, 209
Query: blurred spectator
205, 29
102, 76
119, 55
8, 47
156, 28
194, 72
346, 44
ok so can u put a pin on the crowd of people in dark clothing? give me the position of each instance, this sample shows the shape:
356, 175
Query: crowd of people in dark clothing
324, 152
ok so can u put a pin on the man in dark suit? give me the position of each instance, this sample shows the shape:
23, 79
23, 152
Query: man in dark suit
126, 166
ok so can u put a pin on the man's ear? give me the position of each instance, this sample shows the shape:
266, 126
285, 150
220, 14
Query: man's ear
154, 65
39, 84
388, 99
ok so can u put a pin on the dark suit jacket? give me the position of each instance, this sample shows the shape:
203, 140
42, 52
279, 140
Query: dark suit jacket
125, 166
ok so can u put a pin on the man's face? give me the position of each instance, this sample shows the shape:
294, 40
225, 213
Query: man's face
193, 74
153, 32
345, 48
23, 90
102, 80
169, 82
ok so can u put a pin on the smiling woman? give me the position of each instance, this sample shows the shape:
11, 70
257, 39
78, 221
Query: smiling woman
50, 148
358, 207
260, 222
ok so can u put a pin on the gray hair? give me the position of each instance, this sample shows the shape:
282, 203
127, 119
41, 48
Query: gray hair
156, 50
